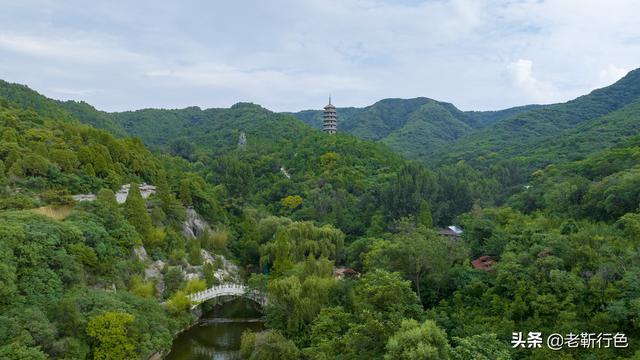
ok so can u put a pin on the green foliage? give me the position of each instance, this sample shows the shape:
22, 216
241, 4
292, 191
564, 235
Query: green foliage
136, 212
480, 347
194, 286
432, 262
424, 215
415, 128
415, 341
173, 280
294, 241
293, 303
563, 239
178, 302
142, 288
16, 351
547, 128
267, 345
291, 202
405, 195
111, 332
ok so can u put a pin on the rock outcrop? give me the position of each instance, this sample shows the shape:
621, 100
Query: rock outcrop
194, 226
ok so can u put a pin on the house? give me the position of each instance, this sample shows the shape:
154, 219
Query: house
344, 272
483, 263
453, 232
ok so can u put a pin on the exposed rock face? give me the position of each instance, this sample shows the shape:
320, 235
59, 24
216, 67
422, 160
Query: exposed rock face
84, 197
194, 226
121, 196
145, 190
154, 272
141, 253
226, 270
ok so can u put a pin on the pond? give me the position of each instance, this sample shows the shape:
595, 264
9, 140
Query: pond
217, 334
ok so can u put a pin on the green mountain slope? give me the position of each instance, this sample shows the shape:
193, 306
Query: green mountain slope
291, 205
413, 127
24, 97
518, 135
588, 137
216, 129
61, 261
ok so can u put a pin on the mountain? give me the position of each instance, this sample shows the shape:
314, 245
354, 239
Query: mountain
529, 134
438, 133
413, 127
24, 97
217, 129
79, 279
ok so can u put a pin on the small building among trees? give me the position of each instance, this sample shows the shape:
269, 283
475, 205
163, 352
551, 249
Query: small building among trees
453, 232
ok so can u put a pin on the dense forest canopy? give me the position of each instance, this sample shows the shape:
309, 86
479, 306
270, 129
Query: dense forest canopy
547, 197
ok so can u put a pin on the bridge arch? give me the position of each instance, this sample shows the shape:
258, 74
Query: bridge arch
229, 289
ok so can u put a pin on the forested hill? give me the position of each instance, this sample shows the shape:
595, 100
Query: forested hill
413, 127
103, 280
439, 134
216, 129
24, 97
586, 117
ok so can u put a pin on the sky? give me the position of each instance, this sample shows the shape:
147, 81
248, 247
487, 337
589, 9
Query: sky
289, 55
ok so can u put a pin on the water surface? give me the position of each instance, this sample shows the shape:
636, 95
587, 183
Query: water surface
217, 334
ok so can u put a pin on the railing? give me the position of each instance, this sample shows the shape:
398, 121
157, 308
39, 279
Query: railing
227, 290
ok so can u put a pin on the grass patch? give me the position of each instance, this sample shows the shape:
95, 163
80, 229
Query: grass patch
58, 212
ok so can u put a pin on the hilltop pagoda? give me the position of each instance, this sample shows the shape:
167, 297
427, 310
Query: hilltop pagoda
330, 123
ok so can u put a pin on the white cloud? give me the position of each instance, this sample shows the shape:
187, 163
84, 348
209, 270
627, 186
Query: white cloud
522, 76
77, 49
288, 54
611, 74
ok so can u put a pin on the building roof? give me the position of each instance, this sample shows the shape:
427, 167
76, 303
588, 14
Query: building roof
483, 263
341, 272
450, 231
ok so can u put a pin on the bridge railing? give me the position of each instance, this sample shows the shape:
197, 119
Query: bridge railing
226, 290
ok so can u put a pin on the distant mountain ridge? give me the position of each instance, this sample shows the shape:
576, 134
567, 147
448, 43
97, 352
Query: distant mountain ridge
413, 127
438, 133
537, 129
434, 132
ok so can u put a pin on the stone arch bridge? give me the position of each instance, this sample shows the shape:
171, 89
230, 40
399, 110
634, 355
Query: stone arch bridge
225, 290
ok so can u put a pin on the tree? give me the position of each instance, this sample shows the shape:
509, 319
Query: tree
136, 211
3, 177
421, 255
268, 345
141, 288
480, 347
412, 185
236, 175
387, 296
111, 332
183, 148
424, 215
173, 280
170, 206
327, 333
415, 341
17, 351
178, 302
291, 202
195, 285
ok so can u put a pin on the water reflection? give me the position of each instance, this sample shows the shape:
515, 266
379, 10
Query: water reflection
217, 335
